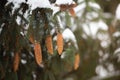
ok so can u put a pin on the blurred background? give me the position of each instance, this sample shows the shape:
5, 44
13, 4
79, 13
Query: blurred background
96, 28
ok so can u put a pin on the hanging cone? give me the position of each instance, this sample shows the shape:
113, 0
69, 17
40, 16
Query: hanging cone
59, 43
16, 62
49, 44
38, 53
64, 7
72, 12
76, 61
31, 39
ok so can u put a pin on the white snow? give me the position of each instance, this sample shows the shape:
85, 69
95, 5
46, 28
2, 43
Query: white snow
104, 38
110, 74
116, 34
93, 27
63, 55
16, 2
118, 12
117, 54
68, 35
94, 5
111, 67
64, 1
92, 15
1, 27
60, 22
33, 4
101, 71
39, 3
117, 51
80, 8
18, 19
104, 43
23, 61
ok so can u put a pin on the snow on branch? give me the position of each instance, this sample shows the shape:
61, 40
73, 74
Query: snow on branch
33, 4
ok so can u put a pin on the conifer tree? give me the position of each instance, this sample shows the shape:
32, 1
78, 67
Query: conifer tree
28, 50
